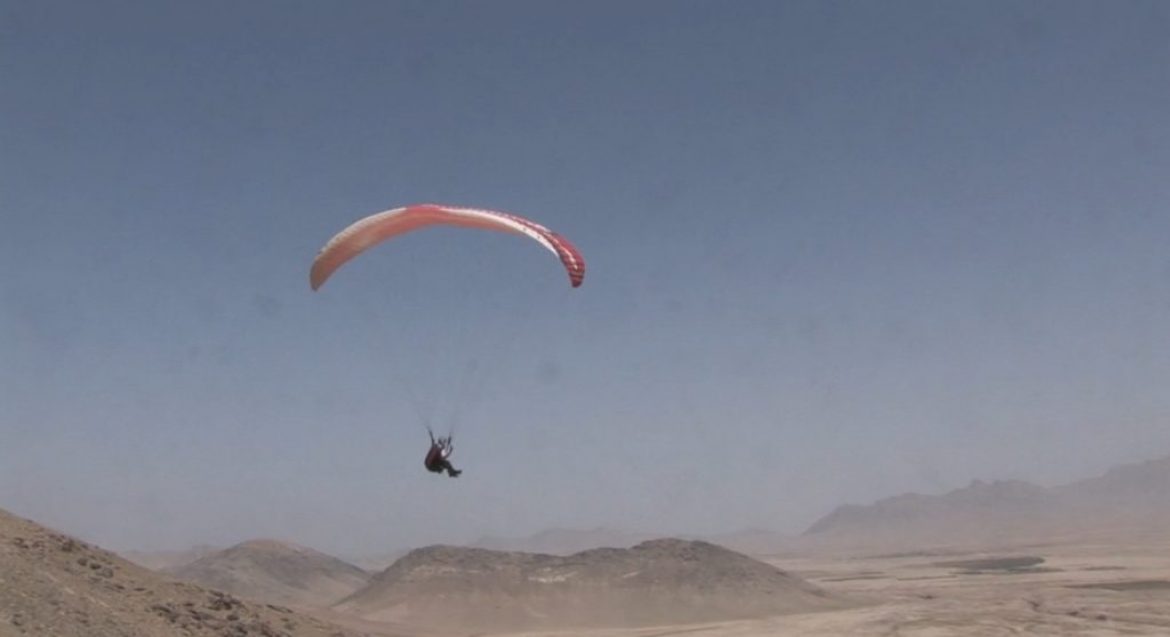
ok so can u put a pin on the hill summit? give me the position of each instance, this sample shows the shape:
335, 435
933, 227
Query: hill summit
655, 582
276, 572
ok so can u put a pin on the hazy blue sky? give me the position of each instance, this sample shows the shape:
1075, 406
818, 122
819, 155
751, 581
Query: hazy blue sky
837, 251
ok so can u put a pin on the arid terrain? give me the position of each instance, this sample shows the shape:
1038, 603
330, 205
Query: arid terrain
999, 558
654, 582
1090, 589
1073, 589
55, 585
523, 318
49, 586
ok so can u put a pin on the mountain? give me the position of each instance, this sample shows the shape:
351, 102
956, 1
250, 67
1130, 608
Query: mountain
658, 581
1142, 487
54, 584
1132, 499
275, 572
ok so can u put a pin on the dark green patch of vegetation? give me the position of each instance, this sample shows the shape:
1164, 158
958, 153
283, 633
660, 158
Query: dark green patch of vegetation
1012, 571
1129, 585
859, 576
1023, 563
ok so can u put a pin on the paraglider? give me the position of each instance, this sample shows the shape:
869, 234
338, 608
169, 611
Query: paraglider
436, 460
374, 229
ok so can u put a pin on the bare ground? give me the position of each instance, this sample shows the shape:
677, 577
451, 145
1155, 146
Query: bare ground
53, 584
1091, 590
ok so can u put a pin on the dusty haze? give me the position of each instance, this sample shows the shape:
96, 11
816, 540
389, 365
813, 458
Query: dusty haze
837, 252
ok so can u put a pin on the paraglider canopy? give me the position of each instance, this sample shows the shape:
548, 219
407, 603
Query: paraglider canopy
459, 342
376, 228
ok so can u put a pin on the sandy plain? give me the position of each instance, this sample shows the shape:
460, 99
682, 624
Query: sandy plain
1094, 588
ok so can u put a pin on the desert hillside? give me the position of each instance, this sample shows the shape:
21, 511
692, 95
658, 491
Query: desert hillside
655, 582
53, 584
275, 572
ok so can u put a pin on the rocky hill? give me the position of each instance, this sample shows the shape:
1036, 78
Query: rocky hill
53, 584
275, 572
659, 581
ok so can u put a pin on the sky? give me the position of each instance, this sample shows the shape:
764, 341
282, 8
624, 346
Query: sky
836, 251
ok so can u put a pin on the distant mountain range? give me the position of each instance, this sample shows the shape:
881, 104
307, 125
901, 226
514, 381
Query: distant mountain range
55, 584
1132, 499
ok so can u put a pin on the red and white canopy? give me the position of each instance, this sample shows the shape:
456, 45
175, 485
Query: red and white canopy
376, 228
